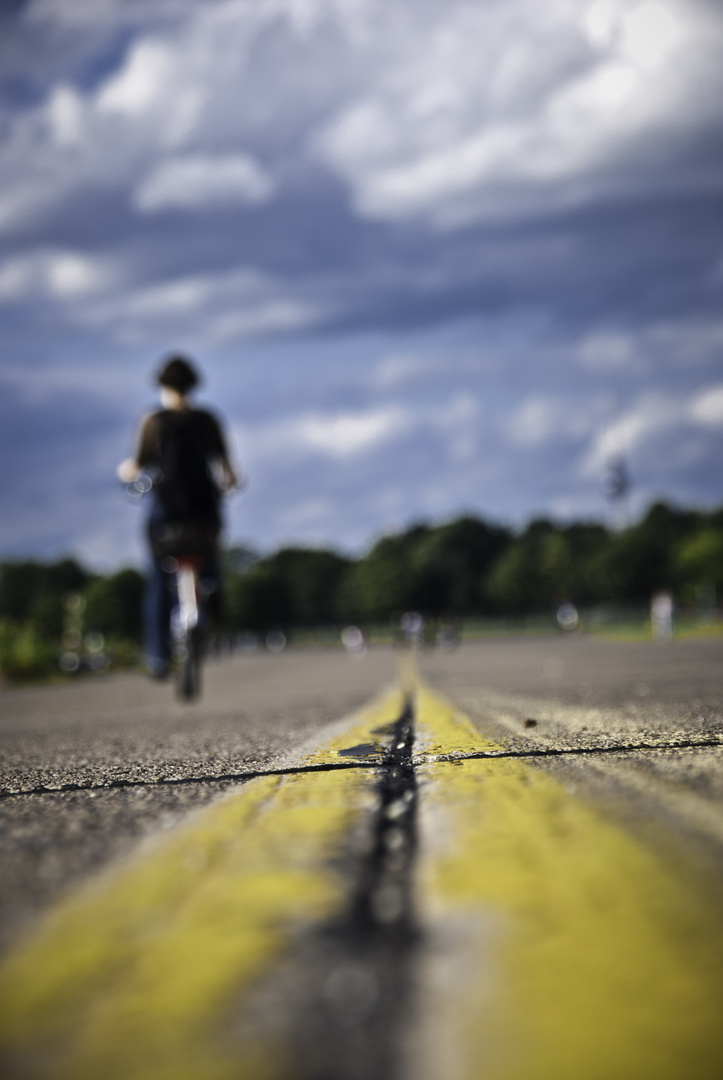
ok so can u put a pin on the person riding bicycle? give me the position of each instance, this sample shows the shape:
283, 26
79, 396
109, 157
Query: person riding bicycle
183, 452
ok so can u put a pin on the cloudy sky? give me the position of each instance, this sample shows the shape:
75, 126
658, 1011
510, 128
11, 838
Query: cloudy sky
432, 257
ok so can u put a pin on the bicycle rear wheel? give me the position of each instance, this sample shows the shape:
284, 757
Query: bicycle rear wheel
189, 672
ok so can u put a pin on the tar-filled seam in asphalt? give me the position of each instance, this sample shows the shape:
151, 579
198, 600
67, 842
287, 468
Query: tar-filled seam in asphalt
360, 999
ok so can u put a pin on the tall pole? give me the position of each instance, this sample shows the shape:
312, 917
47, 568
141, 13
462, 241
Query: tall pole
617, 489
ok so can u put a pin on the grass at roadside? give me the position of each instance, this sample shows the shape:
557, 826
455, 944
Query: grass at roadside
683, 630
28, 657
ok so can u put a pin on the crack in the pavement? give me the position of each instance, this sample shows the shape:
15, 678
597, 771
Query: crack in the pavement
208, 778
563, 751
374, 765
359, 994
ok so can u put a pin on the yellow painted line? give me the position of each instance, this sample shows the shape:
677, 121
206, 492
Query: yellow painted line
441, 728
366, 733
560, 947
139, 975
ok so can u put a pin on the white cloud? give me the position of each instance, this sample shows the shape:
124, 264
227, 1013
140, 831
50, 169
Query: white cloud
446, 138
112, 386
58, 275
651, 31
185, 87
608, 351
307, 512
535, 423
646, 32
408, 369
662, 422
707, 407
196, 182
651, 415
141, 83
206, 308
345, 436
457, 113
272, 316
166, 299
66, 113
600, 23
349, 434
669, 344
542, 419
72, 275
340, 435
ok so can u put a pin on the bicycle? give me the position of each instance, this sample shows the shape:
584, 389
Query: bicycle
182, 549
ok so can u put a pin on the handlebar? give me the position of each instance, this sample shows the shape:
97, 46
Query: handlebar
142, 484
146, 481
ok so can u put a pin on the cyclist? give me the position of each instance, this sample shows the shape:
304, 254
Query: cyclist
183, 451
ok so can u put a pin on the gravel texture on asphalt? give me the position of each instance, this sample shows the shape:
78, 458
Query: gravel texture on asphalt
570, 703
257, 712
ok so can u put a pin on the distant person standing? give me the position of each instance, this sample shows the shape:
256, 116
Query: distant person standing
662, 611
183, 452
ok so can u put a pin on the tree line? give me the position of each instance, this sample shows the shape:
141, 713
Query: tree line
471, 567
466, 567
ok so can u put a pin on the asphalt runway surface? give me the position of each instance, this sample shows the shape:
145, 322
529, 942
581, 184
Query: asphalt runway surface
561, 795
257, 712
574, 701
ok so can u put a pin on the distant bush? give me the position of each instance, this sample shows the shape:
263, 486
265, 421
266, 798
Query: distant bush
24, 655
48, 611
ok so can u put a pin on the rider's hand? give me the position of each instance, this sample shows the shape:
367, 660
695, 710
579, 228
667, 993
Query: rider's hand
230, 480
127, 471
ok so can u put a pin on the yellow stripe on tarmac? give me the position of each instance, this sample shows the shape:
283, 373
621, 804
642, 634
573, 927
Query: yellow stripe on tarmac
137, 976
559, 947
441, 729
364, 742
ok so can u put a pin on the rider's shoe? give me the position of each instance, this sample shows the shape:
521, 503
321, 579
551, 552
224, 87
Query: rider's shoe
157, 670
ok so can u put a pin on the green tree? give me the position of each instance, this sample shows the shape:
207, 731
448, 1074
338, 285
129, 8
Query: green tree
293, 587
23, 584
512, 584
385, 582
516, 582
311, 579
698, 561
46, 615
258, 600
451, 562
632, 567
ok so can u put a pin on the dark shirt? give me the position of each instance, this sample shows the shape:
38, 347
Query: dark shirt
202, 428
182, 445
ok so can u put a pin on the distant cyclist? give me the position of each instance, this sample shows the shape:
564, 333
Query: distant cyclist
183, 452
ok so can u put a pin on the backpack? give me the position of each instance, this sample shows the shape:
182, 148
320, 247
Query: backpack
186, 487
